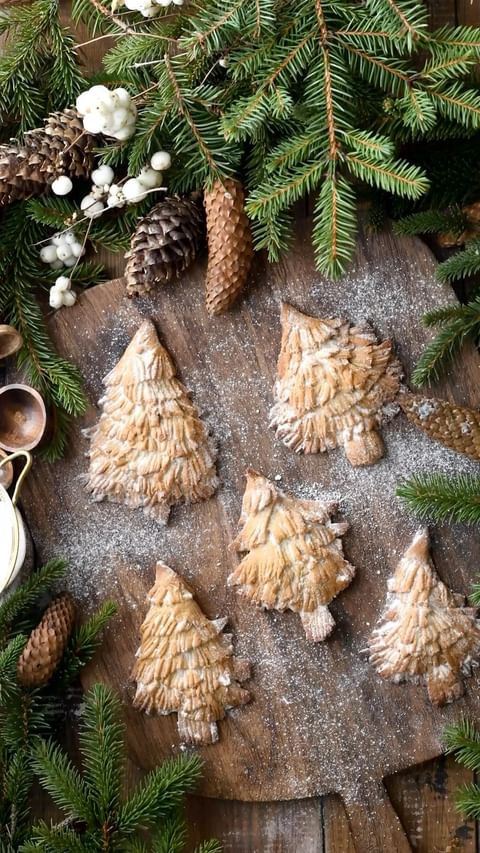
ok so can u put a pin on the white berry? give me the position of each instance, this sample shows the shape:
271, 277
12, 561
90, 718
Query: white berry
133, 190
161, 160
63, 283
56, 265
70, 262
69, 298
58, 239
48, 253
121, 96
95, 123
62, 185
64, 252
55, 298
150, 178
84, 102
91, 207
103, 175
77, 250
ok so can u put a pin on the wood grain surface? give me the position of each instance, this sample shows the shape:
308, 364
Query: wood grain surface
320, 720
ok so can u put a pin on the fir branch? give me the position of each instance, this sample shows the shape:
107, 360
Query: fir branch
159, 793
462, 264
55, 378
101, 743
434, 221
22, 599
62, 781
442, 498
463, 741
459, 322
84, 642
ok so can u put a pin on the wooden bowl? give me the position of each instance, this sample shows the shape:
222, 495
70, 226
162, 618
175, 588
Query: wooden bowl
6, 472
23, 418
10, 341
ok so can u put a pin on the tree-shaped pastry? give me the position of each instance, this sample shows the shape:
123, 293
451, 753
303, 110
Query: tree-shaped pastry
149, 448
333, 381
295, 559
185, 664
424, 631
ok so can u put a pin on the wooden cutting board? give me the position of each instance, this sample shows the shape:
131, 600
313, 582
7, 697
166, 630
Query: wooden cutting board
320, 719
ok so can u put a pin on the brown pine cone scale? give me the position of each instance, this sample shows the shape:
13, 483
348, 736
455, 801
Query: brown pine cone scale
60, 147
47, 642
230, 245
454, 426
165, 243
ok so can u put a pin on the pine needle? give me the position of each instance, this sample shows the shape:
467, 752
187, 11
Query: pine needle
439, 497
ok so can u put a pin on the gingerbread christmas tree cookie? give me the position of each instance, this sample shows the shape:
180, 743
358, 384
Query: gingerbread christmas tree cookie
185, 663
149, 448
295, 559
333, 381
424, 631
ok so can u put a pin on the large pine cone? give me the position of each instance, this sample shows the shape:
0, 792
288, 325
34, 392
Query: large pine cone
230, 247
165, 243
61, 147
47, 642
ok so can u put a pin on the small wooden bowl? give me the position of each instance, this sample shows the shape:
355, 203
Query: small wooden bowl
6, 472
10, 341
23, 418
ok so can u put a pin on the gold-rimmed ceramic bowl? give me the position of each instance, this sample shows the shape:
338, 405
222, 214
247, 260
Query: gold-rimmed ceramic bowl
13, 540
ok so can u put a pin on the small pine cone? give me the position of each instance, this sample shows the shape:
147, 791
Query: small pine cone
230, 247
60, 147
454, 426
164, 244
47, 642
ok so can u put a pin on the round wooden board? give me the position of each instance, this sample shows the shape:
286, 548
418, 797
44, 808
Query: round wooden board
320, 719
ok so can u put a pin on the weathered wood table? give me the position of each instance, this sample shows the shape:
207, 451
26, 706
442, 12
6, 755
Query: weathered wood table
422, 796
321, 720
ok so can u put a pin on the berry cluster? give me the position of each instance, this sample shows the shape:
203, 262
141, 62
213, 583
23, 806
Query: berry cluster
112, 113
61, 294
64, 250
105, 192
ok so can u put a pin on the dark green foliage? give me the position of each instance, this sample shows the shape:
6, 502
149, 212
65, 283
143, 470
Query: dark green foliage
456, 323
38, 66
308, 97
463, 741
105, 817
21, 271
440, 497
28, 714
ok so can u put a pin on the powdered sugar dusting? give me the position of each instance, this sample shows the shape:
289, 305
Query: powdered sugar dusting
320, 718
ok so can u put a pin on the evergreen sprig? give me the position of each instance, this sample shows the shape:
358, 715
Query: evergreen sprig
105, 818
457, 324
440, 497
463, 741
38, 65
21, 270
27, 714
301, 97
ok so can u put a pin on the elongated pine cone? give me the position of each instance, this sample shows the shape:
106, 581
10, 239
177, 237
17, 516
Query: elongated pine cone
454, 426
230, 246
185, 663
47, 642
165, 243
295, 557
425, 631
60, 147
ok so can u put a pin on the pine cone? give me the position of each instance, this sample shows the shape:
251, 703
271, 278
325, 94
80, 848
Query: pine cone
61, 147
230, 248
454, 426
47, 642
165, 243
